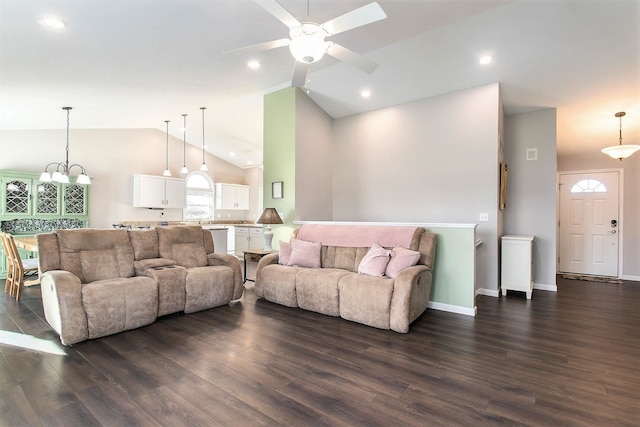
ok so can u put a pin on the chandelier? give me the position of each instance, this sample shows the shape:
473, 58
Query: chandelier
620, 151
63, 169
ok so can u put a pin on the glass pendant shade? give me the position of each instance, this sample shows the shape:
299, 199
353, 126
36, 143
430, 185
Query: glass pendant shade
620, 151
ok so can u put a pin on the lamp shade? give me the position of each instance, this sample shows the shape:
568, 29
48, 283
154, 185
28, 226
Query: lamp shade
269, 216
621, 151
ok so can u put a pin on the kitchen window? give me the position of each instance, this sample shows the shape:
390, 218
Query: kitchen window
200, 197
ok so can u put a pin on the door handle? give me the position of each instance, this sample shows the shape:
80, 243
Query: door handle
613, 231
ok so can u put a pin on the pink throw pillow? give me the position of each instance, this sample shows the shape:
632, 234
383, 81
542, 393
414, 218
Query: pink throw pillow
285, 253
305, 254
375, 261
401, 258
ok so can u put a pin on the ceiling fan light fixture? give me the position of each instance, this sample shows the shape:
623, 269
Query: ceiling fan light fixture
620, 151
307, 43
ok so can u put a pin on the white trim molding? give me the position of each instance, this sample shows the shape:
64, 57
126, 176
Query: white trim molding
543, 287
630, 277
488, 292
453, 308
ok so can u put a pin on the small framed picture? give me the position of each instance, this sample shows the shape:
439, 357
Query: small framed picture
276, 190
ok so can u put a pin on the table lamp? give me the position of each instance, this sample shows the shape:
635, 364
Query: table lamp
268, 217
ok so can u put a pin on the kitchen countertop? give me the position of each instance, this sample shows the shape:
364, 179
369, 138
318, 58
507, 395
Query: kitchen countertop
209, 225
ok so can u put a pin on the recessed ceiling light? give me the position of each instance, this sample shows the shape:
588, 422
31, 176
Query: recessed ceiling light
52, 22
366, 93
486, 59
232, 154
253, 64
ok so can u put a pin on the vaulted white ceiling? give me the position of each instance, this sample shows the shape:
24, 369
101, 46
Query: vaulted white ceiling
136, 63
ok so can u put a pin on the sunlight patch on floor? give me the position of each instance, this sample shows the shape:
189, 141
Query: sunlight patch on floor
15, 339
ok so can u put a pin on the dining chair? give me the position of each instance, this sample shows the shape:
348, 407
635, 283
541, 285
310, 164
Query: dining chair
21, 270
7, 253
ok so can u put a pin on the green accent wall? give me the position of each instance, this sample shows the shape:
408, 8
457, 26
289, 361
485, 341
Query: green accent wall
279, 157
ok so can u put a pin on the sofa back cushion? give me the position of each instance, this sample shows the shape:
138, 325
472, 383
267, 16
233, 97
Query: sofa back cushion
144, 243
95, 254
183, 244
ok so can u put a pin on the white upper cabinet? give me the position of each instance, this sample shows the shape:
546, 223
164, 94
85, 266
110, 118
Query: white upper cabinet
232, 196
150, 191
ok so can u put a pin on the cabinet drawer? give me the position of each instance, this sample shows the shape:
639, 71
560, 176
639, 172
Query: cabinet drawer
255, 231
242, 230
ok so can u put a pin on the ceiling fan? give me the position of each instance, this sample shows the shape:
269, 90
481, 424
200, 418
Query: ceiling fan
307, 39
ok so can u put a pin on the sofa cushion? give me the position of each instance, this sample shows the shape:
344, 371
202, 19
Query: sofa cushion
189, 255
208, 287
144, 243
99, 264
72, 242
375, 261
183, 244
317, 290
366, 299
278, 284
116, 305
305, 254
284, 253
401, 259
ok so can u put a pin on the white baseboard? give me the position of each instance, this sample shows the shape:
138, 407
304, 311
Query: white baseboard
453, 308
630, 277
488, 292
543, 287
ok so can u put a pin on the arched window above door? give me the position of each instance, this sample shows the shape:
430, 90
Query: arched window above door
589, 185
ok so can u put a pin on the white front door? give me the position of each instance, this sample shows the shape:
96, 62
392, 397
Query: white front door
589, 223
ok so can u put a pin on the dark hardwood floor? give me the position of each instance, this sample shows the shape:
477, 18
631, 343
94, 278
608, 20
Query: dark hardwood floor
565, 358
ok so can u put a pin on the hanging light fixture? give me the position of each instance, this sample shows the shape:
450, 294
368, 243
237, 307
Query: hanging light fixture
167, 172
203, 166
63, 169
620, 151
184, 169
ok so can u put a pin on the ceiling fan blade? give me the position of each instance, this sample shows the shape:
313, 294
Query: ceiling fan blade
352, 58
300, 70
356, 18
282, 14
254, 48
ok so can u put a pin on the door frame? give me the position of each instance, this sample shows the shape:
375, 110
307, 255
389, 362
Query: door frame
620, 172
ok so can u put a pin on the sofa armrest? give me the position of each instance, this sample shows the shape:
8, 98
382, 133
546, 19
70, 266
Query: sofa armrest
230, 261
142, 265
411, 292
63, 308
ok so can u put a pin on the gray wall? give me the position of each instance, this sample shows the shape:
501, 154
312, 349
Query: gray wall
314, 160
429, 161
630, 198
531, 189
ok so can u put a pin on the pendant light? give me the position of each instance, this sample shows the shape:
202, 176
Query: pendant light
167, 172
203, 167
184, 169
621, 151
63, 169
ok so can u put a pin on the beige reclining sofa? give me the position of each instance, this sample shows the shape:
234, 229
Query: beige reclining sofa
335, 287
100, 282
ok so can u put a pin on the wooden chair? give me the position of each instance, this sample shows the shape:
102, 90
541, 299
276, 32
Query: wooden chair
18, 270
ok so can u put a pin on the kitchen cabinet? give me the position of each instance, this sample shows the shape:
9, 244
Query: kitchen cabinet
24, 196
150, 191
232, 196
517, 264
248, 239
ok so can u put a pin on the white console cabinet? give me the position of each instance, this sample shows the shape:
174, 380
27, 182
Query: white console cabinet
517, 264
248, 239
